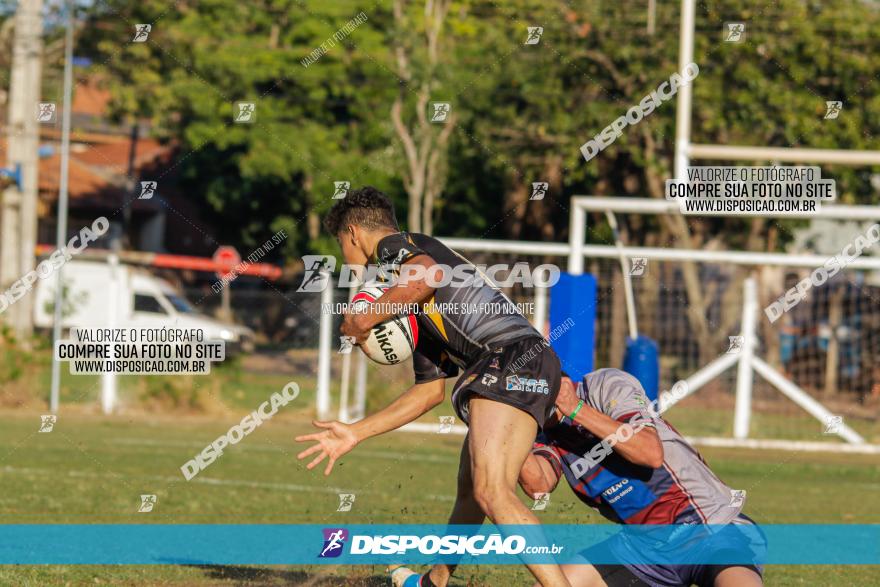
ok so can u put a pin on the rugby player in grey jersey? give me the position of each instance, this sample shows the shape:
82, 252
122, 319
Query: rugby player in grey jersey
652, 476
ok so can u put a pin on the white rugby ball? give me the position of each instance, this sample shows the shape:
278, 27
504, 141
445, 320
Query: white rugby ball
392, 341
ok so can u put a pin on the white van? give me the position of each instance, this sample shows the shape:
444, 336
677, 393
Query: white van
140, 300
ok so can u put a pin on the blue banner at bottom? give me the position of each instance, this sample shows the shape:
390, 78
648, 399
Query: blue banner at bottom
209, 544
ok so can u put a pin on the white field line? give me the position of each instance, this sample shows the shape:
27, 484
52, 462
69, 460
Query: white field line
294, 448
206, 481
432, 428
796, 445
751, 443
199, 479
710, 441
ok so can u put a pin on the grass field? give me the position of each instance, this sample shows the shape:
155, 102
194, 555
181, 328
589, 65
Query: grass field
93, 469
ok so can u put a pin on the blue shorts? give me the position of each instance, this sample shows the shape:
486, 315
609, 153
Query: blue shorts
676, 575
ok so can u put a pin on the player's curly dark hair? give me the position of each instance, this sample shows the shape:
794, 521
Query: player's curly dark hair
366, 207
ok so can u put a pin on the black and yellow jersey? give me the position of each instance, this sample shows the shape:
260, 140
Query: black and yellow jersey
464, 319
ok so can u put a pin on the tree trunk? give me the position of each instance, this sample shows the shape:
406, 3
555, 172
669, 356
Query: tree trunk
832, 355
618, 320
515, 196
678, 228
424, 143
313, 222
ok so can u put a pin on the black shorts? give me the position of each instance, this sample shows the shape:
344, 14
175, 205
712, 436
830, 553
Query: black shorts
524, 374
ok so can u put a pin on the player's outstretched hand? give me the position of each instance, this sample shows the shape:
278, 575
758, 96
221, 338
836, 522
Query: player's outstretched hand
334, 441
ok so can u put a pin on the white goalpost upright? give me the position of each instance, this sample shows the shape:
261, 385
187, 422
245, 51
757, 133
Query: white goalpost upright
346, 412
325, 348
685, 150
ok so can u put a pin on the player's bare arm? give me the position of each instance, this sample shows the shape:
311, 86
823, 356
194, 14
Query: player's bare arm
415, 290
644, 448
338, 438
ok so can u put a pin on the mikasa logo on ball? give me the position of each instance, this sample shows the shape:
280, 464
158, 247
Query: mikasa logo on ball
382, 337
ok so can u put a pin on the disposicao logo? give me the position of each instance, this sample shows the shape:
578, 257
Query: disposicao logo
334, 540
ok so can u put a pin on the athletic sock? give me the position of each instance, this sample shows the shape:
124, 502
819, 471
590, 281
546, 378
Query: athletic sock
419, 581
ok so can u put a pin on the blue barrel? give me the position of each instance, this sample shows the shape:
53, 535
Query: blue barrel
642, 361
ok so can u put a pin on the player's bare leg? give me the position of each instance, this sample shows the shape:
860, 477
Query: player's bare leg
499, 440
738, 577
465, 511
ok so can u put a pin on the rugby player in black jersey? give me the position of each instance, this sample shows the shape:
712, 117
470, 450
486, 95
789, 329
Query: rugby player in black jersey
503, 407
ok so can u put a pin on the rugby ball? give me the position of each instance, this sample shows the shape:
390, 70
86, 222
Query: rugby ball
392, 341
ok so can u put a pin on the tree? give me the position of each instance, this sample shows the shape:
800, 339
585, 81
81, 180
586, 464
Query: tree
314, 120
361, 111
423, 140
529, 108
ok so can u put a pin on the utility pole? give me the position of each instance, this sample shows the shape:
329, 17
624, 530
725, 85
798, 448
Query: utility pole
18, 218
61, 228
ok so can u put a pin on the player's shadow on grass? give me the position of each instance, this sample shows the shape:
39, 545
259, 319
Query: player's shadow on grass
276, 576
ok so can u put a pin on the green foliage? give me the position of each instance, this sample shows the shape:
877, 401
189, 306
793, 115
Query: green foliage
19, 365
165, 394
524, 110
14, 358
69, 301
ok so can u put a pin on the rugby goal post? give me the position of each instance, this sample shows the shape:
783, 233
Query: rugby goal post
747, 361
